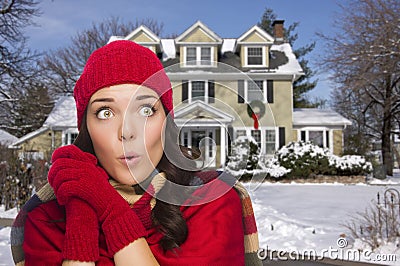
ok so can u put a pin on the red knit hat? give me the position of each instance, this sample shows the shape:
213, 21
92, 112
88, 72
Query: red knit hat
121, 62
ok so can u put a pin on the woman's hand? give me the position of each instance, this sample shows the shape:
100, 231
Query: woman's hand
76, 174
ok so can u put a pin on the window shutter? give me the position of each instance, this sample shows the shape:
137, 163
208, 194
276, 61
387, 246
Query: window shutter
281, 137
327, 138
211, 91
185, 90
230, 139
270, 91
303, 135
240, 91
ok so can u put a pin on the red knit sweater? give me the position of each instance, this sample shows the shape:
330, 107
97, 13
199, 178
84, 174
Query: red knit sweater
215, 233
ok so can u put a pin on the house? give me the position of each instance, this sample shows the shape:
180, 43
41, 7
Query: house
60, 128
223, 88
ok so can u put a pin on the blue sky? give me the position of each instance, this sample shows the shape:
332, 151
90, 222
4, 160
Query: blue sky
61, 19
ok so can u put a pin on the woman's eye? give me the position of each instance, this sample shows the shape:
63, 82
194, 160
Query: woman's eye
105, 114
146, 111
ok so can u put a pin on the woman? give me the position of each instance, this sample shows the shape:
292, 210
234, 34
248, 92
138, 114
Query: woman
126, 193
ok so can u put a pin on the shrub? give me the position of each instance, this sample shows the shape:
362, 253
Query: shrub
244, 158
295, 160
18, 178
350, 165
304, 159
379, 224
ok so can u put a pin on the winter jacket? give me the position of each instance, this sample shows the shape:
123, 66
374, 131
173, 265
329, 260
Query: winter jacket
221, 231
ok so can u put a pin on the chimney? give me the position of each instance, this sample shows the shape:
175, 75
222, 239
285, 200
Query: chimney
279, 33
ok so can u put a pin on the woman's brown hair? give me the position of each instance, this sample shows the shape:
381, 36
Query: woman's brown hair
168, 217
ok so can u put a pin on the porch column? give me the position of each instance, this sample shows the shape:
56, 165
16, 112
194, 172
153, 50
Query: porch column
223, 144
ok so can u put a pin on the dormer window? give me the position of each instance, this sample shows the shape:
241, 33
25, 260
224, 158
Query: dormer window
255, 56
198, 56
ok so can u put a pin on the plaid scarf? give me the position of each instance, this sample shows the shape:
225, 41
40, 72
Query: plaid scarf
46, 194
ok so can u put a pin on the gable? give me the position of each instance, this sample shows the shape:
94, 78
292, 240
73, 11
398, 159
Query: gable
141, 37
198, 32
200, 110
199, 113
198, 35
255, 37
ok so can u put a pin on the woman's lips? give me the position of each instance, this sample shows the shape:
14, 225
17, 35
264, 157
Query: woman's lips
129, 159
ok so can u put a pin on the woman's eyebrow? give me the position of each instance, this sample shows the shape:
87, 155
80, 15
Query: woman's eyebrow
103, 100
143, 97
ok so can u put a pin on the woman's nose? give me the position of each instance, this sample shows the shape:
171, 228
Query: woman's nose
126, 132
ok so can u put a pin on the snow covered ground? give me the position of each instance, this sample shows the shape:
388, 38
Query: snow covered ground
304, 217
291, 217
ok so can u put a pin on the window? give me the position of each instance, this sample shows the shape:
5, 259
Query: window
31, 155
270, 139
265, 138
69, 137
206, 55
191, 56
255, 56
240, 133
256, 134
198, 56
198, 90
251, 90
255, 90
317, 137
186, 139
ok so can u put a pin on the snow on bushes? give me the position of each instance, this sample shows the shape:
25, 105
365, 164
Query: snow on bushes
295, 160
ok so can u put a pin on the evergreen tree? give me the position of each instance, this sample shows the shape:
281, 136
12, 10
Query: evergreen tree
304, 83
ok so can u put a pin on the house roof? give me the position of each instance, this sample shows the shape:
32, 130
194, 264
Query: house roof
28, 136
115, 38
278, 53
303, 117
168, 49
63, 114
282, 59
6, 138
228, 45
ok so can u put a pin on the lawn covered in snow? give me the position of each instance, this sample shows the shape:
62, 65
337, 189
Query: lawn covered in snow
290, 217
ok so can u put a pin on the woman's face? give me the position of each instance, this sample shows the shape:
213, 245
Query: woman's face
126, 125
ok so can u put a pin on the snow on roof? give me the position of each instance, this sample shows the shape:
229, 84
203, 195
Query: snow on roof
318, 117
63, 114
6, 138
292, 66
228, 45
168, 48
115, 38
28, 136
